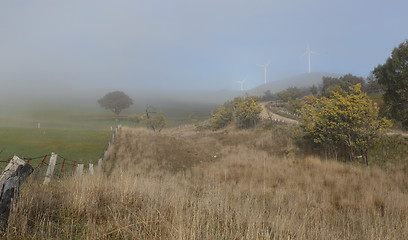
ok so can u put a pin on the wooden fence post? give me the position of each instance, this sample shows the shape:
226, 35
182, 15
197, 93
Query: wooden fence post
51, 167
105, 155
80, 169
100, 163
91, 172
12, 177
10, 169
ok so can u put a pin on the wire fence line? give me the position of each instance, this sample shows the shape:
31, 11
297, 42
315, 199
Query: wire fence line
63, 166
17, 170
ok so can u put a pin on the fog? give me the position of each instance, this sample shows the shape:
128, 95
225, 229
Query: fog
66, 51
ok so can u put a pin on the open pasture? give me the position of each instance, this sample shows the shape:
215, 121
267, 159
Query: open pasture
77, 132
74, 144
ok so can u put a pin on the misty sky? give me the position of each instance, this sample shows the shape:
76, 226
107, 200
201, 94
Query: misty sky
189, 44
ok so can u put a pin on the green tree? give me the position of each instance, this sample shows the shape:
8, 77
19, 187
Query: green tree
116, 102
372, 85
284, 95
393, 77
268, 96
344, 119
344, 82
293, 93
314, 90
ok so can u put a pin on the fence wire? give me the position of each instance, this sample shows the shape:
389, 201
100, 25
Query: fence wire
63, 167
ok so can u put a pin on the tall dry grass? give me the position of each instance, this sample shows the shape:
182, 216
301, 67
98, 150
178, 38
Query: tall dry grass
231, 184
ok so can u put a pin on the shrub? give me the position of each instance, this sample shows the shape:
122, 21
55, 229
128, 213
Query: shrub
344, 119
222, 116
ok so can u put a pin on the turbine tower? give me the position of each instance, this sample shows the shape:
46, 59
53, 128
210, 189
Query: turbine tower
309, 53
265, 66
242, 84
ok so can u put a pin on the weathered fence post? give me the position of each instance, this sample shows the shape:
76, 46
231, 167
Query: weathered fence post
100, 163
50, 169
91, 172
80, 169
10, 180
105, 155
10, 169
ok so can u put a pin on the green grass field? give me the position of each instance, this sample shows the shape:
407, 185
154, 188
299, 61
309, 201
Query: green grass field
78, 145
77, 132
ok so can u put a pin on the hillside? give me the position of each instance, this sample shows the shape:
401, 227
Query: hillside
229, 184
302, 80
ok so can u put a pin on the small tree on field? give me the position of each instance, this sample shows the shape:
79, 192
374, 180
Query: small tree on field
116, 102
344, 119
156, 122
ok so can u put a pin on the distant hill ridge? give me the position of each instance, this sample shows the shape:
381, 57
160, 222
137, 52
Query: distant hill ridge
301, 80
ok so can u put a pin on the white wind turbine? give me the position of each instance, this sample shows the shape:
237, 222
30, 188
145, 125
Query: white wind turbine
265, 66
309, 53
242, 84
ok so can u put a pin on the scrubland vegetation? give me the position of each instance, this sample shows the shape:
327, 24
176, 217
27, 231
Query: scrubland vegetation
226, 184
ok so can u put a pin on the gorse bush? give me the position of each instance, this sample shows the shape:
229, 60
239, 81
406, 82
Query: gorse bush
245, 111
222, 116
344, 120
135, 118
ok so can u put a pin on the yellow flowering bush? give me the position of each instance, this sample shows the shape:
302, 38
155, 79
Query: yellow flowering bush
343, 120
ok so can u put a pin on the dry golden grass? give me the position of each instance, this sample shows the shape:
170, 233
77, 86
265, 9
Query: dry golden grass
231, 184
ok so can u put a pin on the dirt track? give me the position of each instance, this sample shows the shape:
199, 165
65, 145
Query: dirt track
274, 116
280, 118
399, 133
